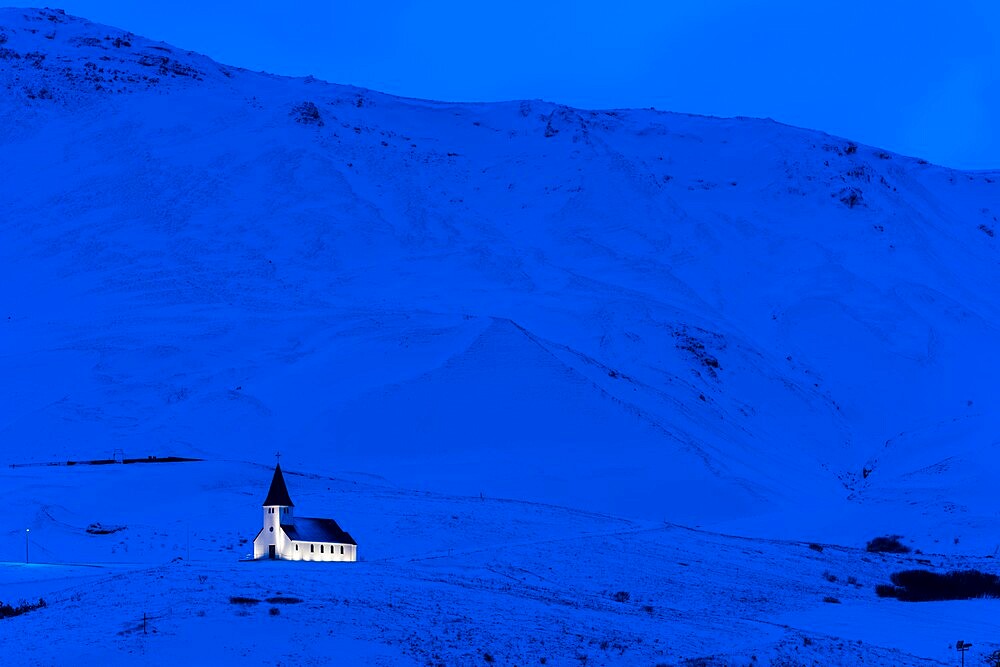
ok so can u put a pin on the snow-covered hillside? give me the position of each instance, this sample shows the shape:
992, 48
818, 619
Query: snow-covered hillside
724, 323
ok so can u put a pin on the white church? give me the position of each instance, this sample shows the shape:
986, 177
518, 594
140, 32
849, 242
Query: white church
286, 538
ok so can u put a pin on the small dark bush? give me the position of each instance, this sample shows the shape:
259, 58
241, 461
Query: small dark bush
885, 590
307, 113
851, 197
284, 600
816, 547
829, 576
487, 657
648, 608
274, 611
926, 586
622, 596
239, 599
888, 544
9, 611
100, 529
831, 600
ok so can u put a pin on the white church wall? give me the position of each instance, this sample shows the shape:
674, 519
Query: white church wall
260, 546
321, 552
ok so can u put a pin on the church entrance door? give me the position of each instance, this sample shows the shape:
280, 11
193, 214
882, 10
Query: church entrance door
270, 551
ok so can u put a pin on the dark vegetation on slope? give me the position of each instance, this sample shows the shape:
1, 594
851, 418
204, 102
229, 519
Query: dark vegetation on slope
926, 586
104, 462
98, 528
8, 611
888, 544
240, 599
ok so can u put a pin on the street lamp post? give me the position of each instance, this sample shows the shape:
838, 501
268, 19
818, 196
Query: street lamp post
962, 647
27, 531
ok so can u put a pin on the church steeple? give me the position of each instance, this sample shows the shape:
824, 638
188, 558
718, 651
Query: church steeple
277, 495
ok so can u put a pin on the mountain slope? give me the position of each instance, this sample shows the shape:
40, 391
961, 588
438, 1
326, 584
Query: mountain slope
651, 314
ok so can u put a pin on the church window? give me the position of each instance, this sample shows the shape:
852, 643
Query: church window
321, 548
296, 547
341, 549
312, 548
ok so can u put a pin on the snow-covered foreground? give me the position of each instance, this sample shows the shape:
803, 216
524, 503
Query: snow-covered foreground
443, 580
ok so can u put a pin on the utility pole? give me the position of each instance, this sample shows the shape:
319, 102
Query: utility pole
27, 531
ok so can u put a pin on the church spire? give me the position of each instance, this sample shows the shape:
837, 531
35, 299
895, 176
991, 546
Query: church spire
278, 493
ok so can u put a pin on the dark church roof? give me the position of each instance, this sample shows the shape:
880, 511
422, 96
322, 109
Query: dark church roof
278, 493
317, 530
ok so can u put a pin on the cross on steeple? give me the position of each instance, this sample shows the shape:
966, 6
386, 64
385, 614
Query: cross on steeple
277, 455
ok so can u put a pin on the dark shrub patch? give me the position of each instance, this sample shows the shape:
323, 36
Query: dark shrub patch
284, 600
307, 113
274, 611
925, 586
889, 544
816, 547
621, 596
239, 599
885, 590
100, 529
831, 600
851, 197
9, 611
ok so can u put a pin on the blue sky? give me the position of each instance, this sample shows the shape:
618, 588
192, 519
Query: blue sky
920, 78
